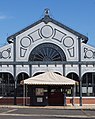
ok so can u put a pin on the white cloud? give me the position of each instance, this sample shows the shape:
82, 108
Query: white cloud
3, 17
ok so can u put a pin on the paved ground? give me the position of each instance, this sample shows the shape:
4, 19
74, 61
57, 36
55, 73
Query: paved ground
48, 112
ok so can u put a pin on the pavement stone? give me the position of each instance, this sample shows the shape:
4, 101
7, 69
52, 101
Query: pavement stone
91, 107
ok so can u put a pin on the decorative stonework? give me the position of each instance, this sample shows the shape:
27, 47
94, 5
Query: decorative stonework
35, 35
46, 31
89, 54
25, 42
68, 41
58, 35
22, 52
71, 52
5, 54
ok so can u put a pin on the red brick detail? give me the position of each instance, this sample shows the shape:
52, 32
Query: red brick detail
6, 101
10, 101
21, 101
88, 100
84, 100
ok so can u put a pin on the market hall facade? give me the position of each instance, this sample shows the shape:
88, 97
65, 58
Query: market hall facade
47, 45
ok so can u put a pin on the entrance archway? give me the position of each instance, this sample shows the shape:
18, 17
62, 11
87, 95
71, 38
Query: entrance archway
75, 77
20, 77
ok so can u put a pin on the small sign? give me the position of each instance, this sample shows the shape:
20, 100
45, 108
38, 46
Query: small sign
39, 91
84, 90
89, 89
45, 91
39, 99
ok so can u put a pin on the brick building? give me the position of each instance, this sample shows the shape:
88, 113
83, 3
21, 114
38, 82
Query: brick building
47, 45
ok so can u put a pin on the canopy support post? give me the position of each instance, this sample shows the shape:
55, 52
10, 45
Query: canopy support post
73, 101
26, 97
65, 97
24, 100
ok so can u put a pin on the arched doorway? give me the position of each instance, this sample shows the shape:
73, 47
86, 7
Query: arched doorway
75, 77
47, 52
6, 85
88, 84
20, 77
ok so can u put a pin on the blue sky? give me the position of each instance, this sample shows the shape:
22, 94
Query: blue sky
18, 14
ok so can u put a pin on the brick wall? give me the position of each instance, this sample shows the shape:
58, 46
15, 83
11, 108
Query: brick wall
85, 100
21, 101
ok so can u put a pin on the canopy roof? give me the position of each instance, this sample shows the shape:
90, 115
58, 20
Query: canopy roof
48, 78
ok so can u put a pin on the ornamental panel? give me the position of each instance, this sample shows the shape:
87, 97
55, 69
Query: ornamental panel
46, 31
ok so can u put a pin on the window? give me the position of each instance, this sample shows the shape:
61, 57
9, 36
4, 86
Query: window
6, 85
47, 52
88, 82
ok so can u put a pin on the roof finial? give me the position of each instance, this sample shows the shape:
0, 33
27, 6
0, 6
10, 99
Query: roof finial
46, 12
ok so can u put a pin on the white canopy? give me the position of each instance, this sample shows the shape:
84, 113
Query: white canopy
48, 78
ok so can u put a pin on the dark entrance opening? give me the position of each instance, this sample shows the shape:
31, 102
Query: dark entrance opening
47, 95
55, 96
20, 77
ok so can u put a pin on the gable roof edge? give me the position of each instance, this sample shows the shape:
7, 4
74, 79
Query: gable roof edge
24, 29
84, 38
47, 19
